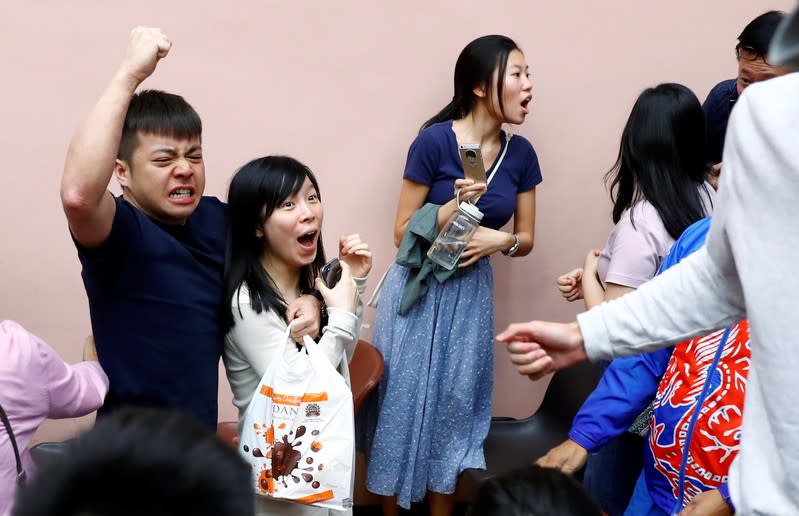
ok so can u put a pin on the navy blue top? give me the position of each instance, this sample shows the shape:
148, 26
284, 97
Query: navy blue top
155, 292
433, 160
718, 106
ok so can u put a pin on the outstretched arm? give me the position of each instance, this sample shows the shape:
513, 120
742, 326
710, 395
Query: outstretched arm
92, 153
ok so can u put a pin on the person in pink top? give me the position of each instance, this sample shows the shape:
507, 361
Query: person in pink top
658, 189
35, 384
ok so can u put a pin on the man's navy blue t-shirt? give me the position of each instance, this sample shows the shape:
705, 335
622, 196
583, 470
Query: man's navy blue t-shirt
717, 107
155, 292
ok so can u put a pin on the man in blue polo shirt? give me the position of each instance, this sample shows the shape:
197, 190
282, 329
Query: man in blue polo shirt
153, 258
753, 66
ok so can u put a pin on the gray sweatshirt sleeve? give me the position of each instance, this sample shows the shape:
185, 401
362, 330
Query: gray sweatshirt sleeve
343, 328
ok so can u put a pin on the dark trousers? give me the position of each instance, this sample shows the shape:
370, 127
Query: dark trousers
611, 473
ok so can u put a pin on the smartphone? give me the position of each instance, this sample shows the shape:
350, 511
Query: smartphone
472, 160
331, 272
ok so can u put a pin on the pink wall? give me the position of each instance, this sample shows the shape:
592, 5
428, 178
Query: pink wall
343, 86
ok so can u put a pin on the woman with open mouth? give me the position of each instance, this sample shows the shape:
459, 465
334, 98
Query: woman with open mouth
434, 402
274, 255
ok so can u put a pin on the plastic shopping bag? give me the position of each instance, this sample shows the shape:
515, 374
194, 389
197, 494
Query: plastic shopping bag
298, 432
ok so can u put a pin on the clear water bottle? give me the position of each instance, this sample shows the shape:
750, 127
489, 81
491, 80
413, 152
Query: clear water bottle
456, 233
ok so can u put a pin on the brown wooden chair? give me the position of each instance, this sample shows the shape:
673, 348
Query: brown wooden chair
228, 431
366, 369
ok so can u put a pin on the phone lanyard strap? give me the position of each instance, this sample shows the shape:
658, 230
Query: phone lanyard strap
499, 161
7, 424
700, 401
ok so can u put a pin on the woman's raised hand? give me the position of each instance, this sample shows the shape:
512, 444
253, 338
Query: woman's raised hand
355, 253
344, 295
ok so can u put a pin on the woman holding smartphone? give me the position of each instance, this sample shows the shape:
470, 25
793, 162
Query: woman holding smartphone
274, 254
436, 336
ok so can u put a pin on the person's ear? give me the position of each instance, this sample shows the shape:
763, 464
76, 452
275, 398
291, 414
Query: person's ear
122, 173
480, 91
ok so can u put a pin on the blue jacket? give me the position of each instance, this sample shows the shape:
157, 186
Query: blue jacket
630, 384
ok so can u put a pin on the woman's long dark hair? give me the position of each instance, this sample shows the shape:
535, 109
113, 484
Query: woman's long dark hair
661, 157
255, 191
474, 68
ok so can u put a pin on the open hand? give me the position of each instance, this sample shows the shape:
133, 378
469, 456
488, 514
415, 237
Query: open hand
567, 457
484, 242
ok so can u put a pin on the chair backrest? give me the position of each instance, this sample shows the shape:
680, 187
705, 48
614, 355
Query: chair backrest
47, 453
228, 431
568, 389
515, 443
366, 368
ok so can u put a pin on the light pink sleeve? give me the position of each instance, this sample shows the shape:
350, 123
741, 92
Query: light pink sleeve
73, 390
636, 252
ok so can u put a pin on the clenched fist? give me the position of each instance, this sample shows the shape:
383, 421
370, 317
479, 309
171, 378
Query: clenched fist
145, 47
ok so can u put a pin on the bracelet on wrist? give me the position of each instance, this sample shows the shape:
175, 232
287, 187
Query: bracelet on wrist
514, 248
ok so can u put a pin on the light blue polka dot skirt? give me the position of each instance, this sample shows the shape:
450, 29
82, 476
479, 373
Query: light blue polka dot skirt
432, 409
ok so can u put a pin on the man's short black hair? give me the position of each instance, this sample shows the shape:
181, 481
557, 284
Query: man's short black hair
142, 461
530, 491
758, 33
160, 113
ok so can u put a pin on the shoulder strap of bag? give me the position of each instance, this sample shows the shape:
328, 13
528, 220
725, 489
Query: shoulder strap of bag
7, 424
501, 157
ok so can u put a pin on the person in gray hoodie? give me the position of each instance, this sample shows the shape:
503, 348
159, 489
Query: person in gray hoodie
749, 258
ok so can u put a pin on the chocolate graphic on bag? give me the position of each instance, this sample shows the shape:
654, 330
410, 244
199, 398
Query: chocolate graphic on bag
315, 485
284, 458
256, 452
264, 480
246, 448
